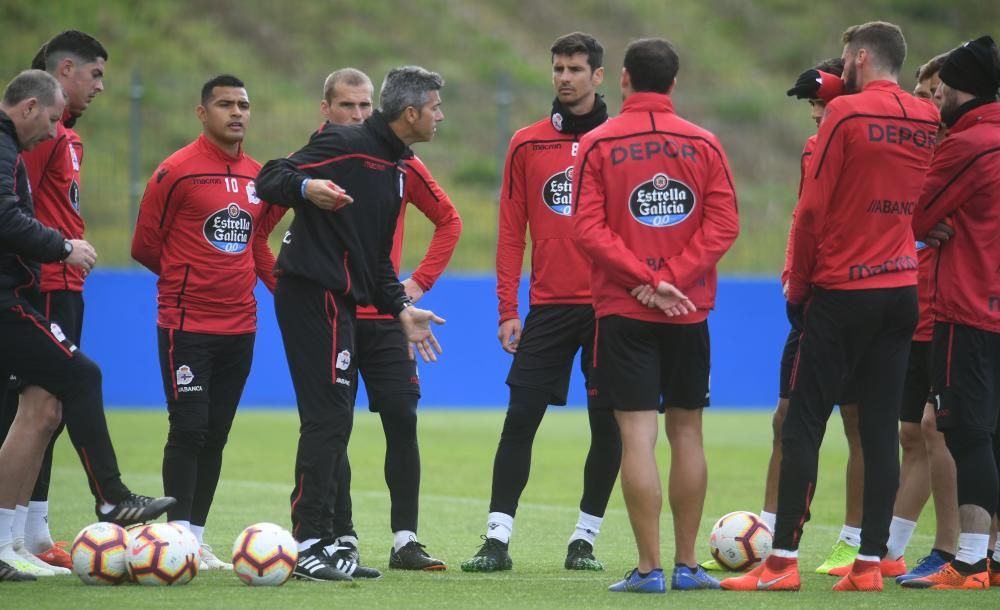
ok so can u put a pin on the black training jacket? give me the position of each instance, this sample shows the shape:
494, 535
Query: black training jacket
347, 251
24, 242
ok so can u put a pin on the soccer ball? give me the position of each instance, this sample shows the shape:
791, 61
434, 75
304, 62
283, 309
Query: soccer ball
98, 554
163, 554
264, 554
739, 541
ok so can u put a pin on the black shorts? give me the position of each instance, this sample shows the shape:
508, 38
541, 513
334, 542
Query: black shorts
966, 377
646, 366
917, 385
384, 360
202, 367
65, 308
552, 336
850, 393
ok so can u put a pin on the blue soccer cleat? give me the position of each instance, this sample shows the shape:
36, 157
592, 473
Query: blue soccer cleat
686, 579
654, 582
925, 567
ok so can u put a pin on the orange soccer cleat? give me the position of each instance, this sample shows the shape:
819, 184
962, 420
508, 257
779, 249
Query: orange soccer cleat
775, 574
891, 568
994, 573
57, 556
863, 576
950, 578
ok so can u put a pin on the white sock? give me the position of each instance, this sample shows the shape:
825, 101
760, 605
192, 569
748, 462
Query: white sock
181, 522
996, 551
345, 540
6, 520
869, 558
402, 538
768, 519
972, 547
37, 536
900, 531
107, 508
587, 528
17, 525
851, 535
499, 526
199, 533
308, 542
785, 553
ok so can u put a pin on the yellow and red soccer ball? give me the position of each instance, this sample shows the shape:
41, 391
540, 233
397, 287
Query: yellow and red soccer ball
740, 541
264, 554
99, 554
163, 554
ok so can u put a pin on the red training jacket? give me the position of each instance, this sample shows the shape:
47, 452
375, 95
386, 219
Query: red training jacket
654, 201
926, 262
535, 195
851, 229
54, 173
200, 230
964, 185
424, 193
807, 152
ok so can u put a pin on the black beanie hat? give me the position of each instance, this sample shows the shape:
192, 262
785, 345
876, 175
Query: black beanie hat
973, 68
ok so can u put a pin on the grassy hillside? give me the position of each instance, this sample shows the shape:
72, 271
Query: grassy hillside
737, 59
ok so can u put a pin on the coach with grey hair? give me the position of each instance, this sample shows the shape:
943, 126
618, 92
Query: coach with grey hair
346, 186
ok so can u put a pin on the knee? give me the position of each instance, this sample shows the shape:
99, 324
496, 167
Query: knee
399, 419
188, 425
911, 439
686, 434
43, 409
778, 420
849, 416
933, 438
523, 419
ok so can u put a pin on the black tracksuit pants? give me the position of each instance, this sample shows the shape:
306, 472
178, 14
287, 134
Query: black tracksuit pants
317, 329
868, 333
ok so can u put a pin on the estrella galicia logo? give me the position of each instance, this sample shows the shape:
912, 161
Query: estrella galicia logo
557, 192
661, 202
229, 230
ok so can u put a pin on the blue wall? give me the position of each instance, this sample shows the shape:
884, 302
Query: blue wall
748, 330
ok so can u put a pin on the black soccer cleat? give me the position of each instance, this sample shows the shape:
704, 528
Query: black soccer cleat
136, 509
491, 557
9, 573
313, 564
580, 556
412, 556
343, 559
346, 550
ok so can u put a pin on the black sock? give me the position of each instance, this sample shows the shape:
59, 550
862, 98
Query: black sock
966, 569
947, 556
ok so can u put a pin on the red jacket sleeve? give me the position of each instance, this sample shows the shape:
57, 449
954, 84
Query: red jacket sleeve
38, 160
513, 224
720, 225
810, 212
428, 197
604, 247
263, 258
942, 194
154, 220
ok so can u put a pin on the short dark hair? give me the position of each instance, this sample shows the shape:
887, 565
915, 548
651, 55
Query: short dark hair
222, 80
578, 42
73, 43
352, 77
652, 64
37, 84
932, 67
832, 65
882, 39
404, 87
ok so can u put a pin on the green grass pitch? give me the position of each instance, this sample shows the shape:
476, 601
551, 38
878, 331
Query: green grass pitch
457, 450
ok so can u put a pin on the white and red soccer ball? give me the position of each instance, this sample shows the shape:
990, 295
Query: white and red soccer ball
740, 541
99, 554
163, 554
264, 554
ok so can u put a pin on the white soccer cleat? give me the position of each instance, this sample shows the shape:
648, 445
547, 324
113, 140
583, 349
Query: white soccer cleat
28, 556
210, 562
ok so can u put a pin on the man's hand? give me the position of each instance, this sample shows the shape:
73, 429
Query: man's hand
672, 301
416, 325
83, 256
326, 195
510, 334
413, 289
940, 233
644, 294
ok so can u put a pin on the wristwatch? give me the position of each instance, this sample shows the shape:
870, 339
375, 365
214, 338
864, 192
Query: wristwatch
67, 249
